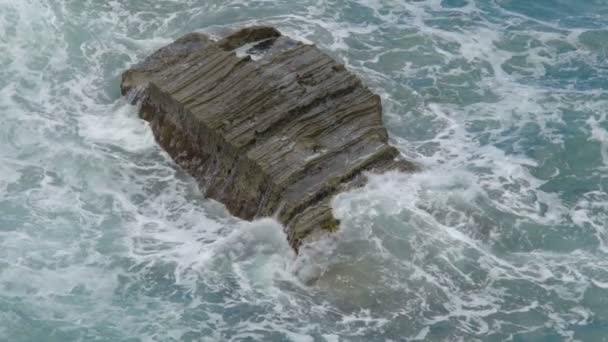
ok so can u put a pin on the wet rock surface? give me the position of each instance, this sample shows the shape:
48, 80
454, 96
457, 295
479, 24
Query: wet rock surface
268, 126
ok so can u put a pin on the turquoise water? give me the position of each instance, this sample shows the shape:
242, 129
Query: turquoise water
502, 236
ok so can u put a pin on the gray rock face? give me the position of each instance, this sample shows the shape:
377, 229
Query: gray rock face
269, 126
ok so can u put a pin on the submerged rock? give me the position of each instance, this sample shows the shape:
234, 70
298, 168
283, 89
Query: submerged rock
268, 126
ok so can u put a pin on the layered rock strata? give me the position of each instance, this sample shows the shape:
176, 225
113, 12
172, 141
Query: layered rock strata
268, 126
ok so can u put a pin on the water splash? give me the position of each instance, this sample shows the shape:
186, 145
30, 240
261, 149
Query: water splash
501, 236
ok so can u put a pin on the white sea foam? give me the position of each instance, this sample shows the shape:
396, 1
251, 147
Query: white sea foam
101, 232
123, 130
600, 134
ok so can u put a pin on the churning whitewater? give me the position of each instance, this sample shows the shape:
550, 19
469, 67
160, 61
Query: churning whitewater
503, 235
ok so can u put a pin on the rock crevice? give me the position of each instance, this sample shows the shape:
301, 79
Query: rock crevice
268, 126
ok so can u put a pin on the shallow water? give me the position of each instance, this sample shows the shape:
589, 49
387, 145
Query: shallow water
502, 236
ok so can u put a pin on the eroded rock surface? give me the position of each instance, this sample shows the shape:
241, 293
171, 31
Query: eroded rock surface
269, 126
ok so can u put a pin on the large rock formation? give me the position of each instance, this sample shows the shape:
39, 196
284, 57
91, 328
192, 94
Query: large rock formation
269, 126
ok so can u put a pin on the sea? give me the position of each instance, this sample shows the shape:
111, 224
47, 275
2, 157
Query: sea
501, 236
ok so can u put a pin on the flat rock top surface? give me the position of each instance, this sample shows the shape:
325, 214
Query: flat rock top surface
280, 107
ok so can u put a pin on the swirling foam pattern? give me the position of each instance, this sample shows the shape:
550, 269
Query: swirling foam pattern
502, 236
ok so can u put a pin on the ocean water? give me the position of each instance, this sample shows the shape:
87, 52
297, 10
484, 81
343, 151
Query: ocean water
503, 235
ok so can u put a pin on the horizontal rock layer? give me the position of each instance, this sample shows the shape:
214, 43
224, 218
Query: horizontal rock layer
269, 126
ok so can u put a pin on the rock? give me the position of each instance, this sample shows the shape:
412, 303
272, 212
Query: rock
268, 126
